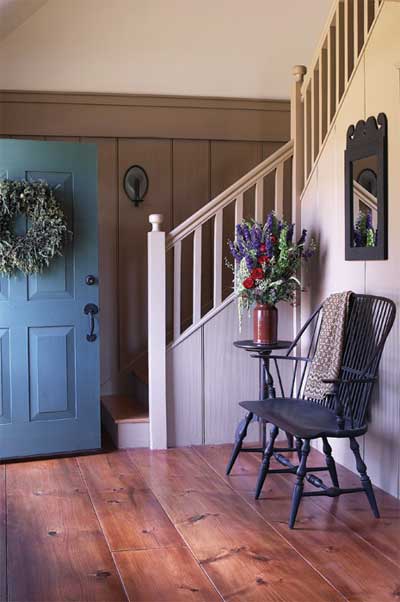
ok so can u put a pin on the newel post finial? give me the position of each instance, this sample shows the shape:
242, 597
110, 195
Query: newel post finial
299, 72
156, 219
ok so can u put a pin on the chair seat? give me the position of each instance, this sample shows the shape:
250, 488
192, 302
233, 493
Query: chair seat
302, 418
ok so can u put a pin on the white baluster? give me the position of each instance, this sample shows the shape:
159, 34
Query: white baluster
177, 287
331, 105
259, 209
279, 190
197, 275
239, 209
218, 223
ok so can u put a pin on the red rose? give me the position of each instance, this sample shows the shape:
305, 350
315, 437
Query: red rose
274, 240
257, 273
263, 259
263, 248
248, 283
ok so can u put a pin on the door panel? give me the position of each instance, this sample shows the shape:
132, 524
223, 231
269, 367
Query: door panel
46, 344
49, 393
59, 282
5, 382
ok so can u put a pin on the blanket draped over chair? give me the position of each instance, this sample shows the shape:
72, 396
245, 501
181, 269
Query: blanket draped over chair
328, 355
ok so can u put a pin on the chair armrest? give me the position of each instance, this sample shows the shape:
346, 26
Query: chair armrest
348, 381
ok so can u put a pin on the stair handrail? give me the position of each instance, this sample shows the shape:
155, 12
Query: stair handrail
226, 197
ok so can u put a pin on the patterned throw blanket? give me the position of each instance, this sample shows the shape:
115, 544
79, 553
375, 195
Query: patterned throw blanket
328, 355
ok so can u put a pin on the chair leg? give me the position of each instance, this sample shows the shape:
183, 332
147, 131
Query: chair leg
240, 434
269, 450
299, 486
330, 462
365, 480
299, 443
289, 439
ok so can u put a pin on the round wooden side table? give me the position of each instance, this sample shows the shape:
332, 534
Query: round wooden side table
266, 391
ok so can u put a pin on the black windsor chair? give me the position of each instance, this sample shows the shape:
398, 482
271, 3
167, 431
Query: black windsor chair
342, 414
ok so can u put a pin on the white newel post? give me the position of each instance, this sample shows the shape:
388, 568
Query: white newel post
297, 135
157, 333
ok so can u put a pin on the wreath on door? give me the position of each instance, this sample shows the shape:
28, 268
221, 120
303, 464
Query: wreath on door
47, 231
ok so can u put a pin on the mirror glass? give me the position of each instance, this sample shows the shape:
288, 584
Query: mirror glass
365, 202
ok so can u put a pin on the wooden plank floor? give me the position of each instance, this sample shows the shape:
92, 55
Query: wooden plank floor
169, 526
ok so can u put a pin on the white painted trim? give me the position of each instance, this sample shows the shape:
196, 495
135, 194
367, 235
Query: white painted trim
197, 274
259, 202
218, 223
177, 288
157, 339
279, 190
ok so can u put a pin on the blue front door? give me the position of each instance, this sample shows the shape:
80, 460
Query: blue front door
49, 371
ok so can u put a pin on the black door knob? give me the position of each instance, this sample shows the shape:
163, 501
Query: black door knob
90, 279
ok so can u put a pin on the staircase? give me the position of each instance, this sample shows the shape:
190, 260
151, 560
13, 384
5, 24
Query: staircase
317, 96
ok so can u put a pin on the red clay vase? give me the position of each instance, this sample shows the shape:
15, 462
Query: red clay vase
265, 324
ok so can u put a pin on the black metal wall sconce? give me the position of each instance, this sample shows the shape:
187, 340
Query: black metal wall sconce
136, 184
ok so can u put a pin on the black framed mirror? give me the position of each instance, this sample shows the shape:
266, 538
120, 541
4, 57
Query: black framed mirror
366, 202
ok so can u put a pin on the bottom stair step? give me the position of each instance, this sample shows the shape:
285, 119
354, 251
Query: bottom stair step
126, 420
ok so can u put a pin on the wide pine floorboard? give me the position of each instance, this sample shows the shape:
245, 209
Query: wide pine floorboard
169, 526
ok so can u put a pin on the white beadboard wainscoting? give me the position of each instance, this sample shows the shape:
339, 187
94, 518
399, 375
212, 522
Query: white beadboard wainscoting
207, 377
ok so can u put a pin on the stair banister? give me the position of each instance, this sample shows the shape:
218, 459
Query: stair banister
157, 333
297, 135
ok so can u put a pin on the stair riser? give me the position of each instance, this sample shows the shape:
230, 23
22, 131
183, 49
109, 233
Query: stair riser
128, 434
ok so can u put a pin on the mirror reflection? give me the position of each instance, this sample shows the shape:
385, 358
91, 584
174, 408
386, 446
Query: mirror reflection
365, 202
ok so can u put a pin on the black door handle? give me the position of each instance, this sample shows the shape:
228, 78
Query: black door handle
91, 310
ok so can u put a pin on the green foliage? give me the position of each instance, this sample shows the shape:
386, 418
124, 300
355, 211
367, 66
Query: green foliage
47, 232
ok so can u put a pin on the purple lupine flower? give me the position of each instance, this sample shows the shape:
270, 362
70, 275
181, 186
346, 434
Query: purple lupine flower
289, 234
256, 236
270, 222
249, 262
307, 254
246, 233
357, 237
302, 238
233, 250
270, 247
368, 221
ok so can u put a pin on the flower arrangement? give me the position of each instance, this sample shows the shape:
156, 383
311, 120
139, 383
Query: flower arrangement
267, 261
364, 234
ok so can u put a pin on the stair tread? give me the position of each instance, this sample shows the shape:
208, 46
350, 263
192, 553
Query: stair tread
123, 408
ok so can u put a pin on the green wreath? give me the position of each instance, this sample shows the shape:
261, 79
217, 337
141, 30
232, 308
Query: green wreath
47, 231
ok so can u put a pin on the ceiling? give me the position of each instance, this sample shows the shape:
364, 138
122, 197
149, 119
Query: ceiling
15, 12
223, 48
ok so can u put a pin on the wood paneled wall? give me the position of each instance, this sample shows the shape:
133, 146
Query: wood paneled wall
191, 149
